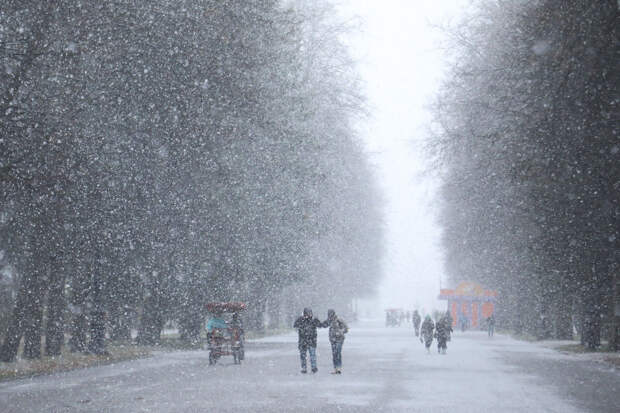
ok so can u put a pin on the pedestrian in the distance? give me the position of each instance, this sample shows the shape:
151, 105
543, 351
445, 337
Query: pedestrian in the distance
450, 320
416, 322
463, 323
337, 330
426, 332
306, 326
491, 325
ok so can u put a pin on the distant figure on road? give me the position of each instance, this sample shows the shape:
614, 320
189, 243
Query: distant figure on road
450, 323
449, 319
464, 322
408, 316
307, 325
337, 330
442, 333
416, 322
426, 333
491, 325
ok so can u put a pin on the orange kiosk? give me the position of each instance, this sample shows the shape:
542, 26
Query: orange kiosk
469, 303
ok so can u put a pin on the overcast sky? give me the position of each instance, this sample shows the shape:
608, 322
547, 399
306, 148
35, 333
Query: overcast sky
402, 63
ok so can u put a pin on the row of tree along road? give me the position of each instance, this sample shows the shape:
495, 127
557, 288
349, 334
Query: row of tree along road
528, 131
156, 155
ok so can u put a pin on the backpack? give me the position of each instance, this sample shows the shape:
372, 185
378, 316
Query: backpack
338, 329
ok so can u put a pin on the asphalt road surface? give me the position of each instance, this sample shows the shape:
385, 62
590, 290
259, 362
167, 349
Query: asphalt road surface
385, 370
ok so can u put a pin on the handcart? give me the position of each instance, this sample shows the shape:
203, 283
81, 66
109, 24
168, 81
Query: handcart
225, 335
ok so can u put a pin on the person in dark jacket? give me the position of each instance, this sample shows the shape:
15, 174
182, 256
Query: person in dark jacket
449, 319
426, 332
442, 334
337, 330
491, 325
416, 322
306, 326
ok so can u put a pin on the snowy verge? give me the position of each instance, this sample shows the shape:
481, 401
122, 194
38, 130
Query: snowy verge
577, 350
22, 368
573, 349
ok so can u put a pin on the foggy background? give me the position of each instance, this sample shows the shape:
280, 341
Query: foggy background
398, 46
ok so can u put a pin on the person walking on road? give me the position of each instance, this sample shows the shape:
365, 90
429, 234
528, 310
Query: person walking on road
442, 334
426, 332
306, 326
491, 325
337, 330
450, 321
416, 322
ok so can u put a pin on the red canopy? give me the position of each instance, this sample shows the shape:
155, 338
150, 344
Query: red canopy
230, 307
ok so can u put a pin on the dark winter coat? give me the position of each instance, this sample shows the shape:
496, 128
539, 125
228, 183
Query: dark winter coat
443, 330
307, 331
427, 330
337, 329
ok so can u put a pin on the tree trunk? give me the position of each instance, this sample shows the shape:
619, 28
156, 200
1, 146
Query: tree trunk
256, 316
26, 320
120, 325
33, 329
33, 317
151, 323
591, 328
274, 313
189, 326
96, 344
563, 317
14, 332
191, 315
97, 333
614, 314
55, 328
79, 327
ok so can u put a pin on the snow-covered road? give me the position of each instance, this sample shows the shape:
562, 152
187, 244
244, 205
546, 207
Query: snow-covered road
385, 369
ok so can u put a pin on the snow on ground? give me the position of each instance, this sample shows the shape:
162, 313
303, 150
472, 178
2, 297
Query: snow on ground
385, 369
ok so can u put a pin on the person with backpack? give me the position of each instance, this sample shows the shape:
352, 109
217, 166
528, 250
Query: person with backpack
337, 330
306, 326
